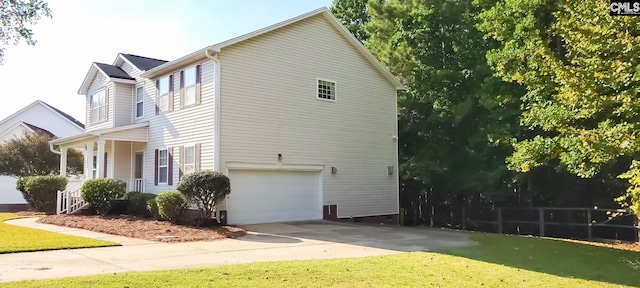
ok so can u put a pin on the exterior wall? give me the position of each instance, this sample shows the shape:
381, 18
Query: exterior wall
122, 99
180, 127
269, 106
99, 82
122, 160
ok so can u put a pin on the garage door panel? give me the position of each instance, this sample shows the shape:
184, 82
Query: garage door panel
273, 196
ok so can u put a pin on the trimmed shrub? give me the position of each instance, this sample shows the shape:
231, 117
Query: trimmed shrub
40, 192
171, 205
152, 207
101, 192
137, 203
205, 189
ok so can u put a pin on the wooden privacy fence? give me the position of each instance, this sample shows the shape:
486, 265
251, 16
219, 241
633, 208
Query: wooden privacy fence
577, 223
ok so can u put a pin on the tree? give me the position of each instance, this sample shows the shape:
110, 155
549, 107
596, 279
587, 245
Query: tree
353, 15
15, 16
456, 118
29, 155
582, 74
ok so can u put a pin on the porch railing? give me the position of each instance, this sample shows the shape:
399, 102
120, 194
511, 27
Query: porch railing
137, 185
69, 201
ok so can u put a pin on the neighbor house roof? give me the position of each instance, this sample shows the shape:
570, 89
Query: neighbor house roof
55, 110
200, 54
65, 115
142, 63
38, 129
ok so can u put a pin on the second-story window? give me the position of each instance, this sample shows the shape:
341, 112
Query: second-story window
98, 106
189, 86
163, 93
139, 102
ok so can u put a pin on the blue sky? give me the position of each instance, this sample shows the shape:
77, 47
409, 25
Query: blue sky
82, 32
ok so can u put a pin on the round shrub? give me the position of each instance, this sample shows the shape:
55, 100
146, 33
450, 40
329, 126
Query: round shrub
171, 205
152, 207
137, 203
40, 192
204, 189
101, 192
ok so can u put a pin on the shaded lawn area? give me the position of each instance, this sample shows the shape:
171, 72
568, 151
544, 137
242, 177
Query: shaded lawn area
21, 239
498, 261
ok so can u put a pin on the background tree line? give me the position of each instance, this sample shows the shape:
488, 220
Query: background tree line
519, 103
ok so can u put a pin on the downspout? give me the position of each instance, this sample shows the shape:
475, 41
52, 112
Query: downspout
54, 150
213, 56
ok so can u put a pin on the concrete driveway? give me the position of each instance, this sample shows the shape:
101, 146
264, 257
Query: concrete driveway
264, 242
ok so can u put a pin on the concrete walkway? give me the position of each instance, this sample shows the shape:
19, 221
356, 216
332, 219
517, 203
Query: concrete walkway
264, 242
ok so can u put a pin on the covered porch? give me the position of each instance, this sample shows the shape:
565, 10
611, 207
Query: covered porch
108, 153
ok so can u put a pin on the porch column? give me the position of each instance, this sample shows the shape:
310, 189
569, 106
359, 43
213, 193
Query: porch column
63, 161
88, 160
100, 162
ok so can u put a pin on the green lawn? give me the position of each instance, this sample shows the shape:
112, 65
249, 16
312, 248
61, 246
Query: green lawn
22, 239
505, 261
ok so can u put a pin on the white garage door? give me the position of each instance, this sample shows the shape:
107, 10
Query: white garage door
273, 196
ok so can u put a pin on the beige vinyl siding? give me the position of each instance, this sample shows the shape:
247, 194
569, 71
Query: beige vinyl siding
269, 106
132, 71
122, 99
122, 168
180, 127
98, 83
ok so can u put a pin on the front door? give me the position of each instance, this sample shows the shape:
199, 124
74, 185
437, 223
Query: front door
138, 165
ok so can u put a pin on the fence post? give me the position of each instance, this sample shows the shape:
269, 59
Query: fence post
541, 220
589, 232
58, 203
499, 220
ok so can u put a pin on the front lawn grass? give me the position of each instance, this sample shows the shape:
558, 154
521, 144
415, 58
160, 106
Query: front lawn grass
498, 261
21, 239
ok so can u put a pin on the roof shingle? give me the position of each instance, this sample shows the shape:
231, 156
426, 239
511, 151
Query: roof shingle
113, 71
143, 63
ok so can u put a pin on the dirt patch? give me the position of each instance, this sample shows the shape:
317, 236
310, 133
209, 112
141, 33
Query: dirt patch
143, 228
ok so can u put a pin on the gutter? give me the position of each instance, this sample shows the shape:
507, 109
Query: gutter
54, 150
213, 56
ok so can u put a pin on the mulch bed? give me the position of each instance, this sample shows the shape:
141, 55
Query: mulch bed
143, 228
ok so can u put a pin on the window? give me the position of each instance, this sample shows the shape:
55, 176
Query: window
139, 102
189, 159
326, 90
163, 93
189, 86
163, 166
98, 107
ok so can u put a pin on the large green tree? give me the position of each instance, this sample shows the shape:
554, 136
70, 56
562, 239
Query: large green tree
581, 69
15, 17
30, 155
456, 118
353, 15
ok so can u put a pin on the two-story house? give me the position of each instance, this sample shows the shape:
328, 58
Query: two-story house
299, 115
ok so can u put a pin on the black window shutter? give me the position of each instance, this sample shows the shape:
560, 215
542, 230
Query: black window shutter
170, 167
155, 168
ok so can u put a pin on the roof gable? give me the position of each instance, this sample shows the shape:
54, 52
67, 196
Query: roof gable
202, 53
113, 73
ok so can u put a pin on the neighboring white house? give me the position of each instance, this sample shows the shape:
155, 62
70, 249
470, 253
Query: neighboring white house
37, 116
299, 115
